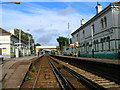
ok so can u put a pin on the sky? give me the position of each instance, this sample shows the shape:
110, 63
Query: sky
47, 20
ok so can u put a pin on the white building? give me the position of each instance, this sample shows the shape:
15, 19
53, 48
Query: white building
9, 45
100, 36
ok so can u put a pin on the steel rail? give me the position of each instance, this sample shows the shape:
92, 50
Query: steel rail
67, 84
36, 79
58, 79
90, 84
87, 80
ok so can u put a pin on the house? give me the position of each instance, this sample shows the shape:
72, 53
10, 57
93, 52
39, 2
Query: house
100, 36
10, 45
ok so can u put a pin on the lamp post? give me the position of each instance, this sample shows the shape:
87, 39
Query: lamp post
92, 42
29, 44
20, 41
9, 2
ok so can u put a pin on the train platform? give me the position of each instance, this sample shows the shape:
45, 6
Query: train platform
14, 70
112, 61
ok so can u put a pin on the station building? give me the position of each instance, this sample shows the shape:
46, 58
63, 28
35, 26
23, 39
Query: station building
10, 46
100, 36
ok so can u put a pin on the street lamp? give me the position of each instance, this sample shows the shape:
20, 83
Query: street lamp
92, 41
9, 2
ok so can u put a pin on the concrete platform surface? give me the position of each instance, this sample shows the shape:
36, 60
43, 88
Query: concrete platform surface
14, 70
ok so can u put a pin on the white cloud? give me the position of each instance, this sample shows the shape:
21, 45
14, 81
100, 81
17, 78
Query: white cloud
45, 24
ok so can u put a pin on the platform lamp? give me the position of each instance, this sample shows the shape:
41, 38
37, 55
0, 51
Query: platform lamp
92, 41
9, 2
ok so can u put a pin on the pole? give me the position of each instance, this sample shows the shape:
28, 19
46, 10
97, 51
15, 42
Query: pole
68, 33
29, 45
92, 42
9, 2
19, 41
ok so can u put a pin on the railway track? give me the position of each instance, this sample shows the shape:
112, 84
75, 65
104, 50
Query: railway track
63, 82
89, 79
54, 73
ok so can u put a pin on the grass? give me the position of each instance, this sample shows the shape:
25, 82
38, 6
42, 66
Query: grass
34, 69
27, 78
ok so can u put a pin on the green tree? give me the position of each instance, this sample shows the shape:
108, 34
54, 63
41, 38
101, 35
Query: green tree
37, 44
26, 37
63, 41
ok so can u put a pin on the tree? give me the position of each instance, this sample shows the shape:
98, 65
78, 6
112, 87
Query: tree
63, 41
26, 37
37, 44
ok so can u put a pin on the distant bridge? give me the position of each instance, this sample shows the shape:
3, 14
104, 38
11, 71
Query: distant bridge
47, 47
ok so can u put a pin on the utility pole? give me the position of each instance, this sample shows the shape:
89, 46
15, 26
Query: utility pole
68, 33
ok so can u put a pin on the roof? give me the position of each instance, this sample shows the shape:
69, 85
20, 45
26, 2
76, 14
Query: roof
4, 31
96, 16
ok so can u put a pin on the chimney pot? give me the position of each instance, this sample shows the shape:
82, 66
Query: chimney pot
82, 22
98, 8
12, 31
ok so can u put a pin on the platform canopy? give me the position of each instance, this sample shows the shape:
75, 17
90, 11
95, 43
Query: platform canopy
47, 47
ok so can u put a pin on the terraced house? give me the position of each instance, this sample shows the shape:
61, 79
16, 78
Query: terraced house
100, 36
9, 45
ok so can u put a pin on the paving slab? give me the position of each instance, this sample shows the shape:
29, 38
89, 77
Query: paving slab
14, 71
17, 77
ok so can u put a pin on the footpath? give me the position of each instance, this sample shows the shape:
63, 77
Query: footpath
13, 71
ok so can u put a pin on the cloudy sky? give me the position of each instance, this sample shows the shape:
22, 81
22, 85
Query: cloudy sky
47, 20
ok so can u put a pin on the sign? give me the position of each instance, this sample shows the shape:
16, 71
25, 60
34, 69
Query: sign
76, 44
4, 51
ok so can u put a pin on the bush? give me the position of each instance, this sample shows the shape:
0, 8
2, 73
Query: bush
34, 69
27, 78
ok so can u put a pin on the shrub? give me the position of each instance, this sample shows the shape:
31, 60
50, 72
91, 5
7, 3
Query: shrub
34, 69
27, 78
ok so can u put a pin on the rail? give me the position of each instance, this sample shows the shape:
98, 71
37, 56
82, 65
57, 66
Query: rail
90, 80
65, 83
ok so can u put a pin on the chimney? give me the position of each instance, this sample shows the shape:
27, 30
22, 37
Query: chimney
12, 31
98, 8
82, 22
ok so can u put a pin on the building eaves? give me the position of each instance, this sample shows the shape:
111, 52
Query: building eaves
4, 31
95, 17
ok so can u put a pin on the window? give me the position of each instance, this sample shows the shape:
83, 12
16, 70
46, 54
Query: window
77, 37
93, 28
108, 40
83, 34
97, 45
105, 22
94, 44
102, 43
102, 23
0, 51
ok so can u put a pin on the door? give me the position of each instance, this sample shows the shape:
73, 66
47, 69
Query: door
0, 51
